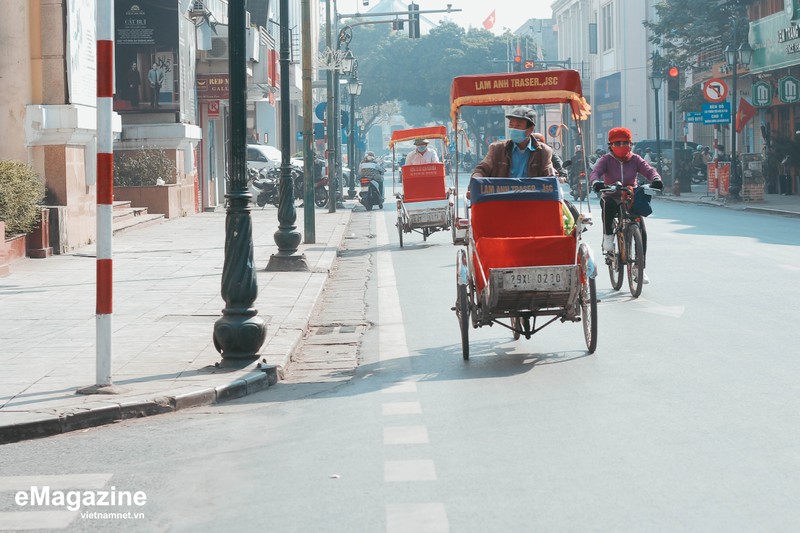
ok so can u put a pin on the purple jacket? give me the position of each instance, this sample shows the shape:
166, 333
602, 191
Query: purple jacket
610, 170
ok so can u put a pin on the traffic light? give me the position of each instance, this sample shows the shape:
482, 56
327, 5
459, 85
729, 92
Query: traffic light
517, 63
413, 21
397, 24
673, 83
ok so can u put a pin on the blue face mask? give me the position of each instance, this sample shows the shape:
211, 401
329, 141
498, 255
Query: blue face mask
421, 148
517, 136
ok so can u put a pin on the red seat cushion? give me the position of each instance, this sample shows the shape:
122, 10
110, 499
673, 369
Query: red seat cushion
519, 233
424, 182
510, 252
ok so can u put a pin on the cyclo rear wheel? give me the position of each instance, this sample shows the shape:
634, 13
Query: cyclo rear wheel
635, 259
462, 311
588, 301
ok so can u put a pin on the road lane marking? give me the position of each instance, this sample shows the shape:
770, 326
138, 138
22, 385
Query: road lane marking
402, 517
392, 333
401, 408
55, 482
411, 470
28, 520
400, 387
405, 435
416, 517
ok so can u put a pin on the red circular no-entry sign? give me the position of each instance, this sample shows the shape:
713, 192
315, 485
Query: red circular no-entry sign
715, 90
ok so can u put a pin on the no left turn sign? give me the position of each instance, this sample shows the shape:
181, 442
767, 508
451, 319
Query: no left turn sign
715, 90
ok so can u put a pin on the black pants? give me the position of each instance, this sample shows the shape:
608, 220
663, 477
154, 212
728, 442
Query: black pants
610, 208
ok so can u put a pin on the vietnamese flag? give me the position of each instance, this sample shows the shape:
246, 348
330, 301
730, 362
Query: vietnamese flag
743, 115
489, 22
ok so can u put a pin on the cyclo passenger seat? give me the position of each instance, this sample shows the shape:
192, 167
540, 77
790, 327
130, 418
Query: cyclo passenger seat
518, 222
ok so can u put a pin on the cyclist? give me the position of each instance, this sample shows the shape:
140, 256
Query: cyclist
621, 166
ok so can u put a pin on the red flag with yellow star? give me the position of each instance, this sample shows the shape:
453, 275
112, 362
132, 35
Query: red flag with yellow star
489, 22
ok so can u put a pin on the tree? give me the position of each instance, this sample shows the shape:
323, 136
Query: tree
420, 72
687, 31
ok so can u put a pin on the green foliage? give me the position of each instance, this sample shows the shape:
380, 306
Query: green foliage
21, 192
143, 168
686, 30
420, 71
692, 99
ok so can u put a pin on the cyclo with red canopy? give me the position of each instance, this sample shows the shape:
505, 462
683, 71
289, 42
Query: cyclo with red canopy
523, 256
423, 205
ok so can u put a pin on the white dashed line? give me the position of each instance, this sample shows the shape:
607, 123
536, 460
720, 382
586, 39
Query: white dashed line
405, 435
411, 470
400, 387
401, 408
416, 518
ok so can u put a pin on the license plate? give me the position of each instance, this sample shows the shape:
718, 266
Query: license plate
426, 217
545, 278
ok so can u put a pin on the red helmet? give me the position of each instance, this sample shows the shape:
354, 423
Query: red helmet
619, 134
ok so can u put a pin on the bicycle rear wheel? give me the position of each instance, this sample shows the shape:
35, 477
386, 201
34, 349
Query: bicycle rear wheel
635, 259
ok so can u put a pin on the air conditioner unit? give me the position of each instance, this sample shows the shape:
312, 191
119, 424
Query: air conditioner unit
197, 9
219, 48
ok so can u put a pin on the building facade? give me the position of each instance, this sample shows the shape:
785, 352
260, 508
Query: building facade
171, 75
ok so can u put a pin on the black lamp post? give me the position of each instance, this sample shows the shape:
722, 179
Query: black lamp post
354, 88
735, 57
287, 237
656, 79
240, 332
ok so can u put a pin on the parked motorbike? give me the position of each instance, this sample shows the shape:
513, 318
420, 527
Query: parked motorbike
264, 181
320, 187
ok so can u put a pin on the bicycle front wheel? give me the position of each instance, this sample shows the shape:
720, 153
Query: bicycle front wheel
615, 262
635, 259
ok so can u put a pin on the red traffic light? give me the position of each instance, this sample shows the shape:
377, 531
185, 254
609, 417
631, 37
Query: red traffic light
673, 72
517, 59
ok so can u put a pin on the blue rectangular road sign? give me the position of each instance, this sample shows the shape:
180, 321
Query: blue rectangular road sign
692, 116
717, 113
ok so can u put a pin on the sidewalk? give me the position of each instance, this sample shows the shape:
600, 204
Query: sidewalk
167, 282
774, 204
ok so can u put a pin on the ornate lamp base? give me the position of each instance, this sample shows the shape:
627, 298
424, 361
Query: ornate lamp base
239, 335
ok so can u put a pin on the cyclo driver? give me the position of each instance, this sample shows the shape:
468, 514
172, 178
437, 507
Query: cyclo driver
621, 166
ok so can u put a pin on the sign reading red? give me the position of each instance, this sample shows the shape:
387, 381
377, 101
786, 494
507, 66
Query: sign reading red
212, 87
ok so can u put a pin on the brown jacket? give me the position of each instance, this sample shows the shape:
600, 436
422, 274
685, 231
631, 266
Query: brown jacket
497, 163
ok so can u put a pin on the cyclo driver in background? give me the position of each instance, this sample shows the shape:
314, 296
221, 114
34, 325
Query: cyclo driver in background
621, 166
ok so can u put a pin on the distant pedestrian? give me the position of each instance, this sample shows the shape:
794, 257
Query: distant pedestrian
156, 79
134, 81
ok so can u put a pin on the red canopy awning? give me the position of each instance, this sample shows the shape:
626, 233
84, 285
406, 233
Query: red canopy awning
520, 88
429, 132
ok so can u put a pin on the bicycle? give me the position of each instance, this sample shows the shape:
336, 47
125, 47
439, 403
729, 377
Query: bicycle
628, 242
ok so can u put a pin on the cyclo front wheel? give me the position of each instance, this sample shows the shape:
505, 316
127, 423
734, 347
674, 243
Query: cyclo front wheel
635, 259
